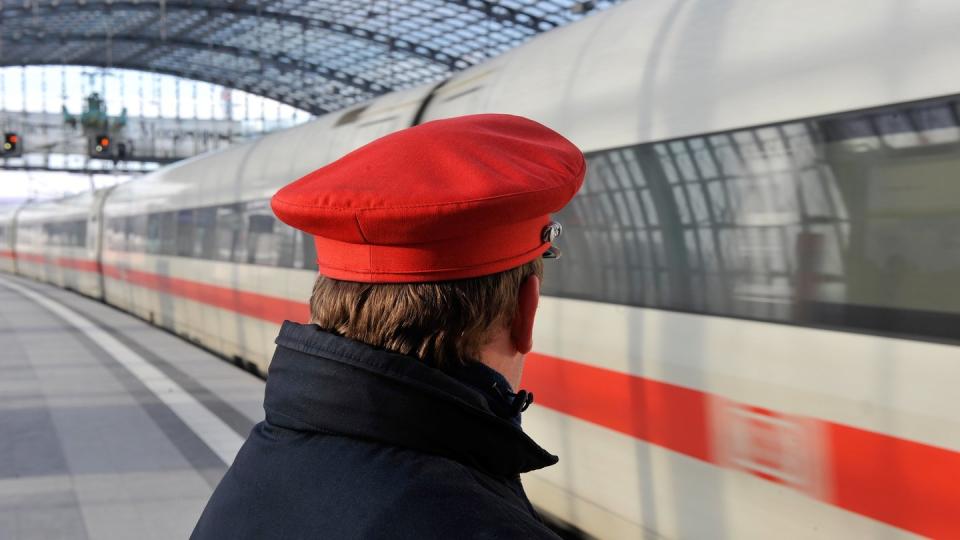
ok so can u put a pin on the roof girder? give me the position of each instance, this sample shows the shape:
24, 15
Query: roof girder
391, 42
339, 51
200, 75
281, 62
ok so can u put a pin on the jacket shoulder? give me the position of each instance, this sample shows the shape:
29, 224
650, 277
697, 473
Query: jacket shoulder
285, 484
451, 500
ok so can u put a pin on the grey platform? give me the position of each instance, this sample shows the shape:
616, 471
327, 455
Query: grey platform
87, 450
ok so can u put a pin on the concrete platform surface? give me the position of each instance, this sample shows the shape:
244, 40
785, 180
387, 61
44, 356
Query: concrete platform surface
109, 428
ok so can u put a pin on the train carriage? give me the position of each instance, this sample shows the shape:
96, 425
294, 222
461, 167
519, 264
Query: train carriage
753, 330
758, 270
7, 235
59, 242
196, 249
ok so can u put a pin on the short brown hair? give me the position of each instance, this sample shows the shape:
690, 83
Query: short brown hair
442, 323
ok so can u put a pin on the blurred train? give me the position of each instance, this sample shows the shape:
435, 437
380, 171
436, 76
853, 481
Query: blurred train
754, 329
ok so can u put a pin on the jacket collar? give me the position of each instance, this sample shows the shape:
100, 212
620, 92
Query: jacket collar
322, 382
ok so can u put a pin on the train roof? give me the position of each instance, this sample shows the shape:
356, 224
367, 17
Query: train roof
7, 211
254, 170
66, 209
658, 69
640, 71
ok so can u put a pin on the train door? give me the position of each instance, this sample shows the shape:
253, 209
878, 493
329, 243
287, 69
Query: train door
95, 225
14, 230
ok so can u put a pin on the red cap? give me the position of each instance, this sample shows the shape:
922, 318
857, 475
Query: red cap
448, 199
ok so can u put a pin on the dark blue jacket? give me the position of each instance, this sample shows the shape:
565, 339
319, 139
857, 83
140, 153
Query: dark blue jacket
363, 443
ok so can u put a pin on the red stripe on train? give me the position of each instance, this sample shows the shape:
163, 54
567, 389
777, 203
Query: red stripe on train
86, 265
79, 264
908, 484
903, 483
35, 258
664, 414
268, 308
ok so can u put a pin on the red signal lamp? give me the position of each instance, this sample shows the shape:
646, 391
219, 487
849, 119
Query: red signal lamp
100, 146
11, 145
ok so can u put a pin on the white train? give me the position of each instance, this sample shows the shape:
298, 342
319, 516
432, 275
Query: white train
753, 330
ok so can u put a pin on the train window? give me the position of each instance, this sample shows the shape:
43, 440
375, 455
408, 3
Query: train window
261, 242
308, 252
51, 231
287, 239
205, 239
185, 233
79, 235
65, 233
229, 233
844, 221
136, 228
168, 233
114, 236
244, 233
153, 234
49, 237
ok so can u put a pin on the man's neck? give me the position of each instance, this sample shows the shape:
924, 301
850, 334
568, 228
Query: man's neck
501, 356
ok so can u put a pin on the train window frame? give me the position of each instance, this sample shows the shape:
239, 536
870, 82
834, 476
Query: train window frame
229, 227
153, 234
186, 230
308, 252
168, 233
696, 237
261, 238
137, 227
205, 240
216, 233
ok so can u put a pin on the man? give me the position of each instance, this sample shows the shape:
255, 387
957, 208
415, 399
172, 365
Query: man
395, 415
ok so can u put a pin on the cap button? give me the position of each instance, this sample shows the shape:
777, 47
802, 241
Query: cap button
551, 232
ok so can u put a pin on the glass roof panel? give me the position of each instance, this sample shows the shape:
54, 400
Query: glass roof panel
282, 48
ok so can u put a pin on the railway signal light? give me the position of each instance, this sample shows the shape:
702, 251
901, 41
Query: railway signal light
12, 145
101, 146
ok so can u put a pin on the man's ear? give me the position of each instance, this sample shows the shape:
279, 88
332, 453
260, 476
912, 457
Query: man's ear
521, 331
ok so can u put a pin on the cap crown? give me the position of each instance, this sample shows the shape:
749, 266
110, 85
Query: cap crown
441, 188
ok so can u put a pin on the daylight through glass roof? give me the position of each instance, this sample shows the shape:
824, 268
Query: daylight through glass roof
316, 55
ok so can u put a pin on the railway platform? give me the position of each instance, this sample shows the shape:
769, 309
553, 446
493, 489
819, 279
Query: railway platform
110, 427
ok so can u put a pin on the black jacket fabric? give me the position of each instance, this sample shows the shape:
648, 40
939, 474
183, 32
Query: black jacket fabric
363, 443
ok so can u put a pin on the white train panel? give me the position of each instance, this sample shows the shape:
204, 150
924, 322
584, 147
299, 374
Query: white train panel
656, 70
609, 484
895, 386
367, 121
233, 309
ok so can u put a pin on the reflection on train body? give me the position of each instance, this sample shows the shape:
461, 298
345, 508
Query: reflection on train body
845, 221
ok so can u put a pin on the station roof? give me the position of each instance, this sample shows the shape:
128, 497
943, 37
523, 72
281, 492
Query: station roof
317, 55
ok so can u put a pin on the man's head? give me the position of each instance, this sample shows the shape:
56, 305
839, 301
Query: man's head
443, 323
429, 239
